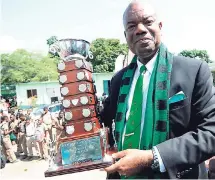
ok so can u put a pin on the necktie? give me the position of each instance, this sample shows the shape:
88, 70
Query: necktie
133, 124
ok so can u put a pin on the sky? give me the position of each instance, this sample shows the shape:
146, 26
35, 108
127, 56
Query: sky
187, 24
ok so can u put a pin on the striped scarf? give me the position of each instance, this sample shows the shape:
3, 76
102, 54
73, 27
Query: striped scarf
156, 123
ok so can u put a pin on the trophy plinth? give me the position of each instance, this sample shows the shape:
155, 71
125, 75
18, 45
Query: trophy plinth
85, 145
80, 153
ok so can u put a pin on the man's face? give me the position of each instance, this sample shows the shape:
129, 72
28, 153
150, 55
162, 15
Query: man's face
46, 110
7, 119
12, 117
142, 31
28, 121
22, 118
61, 115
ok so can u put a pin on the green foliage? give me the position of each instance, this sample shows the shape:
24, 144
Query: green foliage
22, 66
105, 52
198, 54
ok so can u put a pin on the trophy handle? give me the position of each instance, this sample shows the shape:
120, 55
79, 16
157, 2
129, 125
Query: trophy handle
90, 55
54, 48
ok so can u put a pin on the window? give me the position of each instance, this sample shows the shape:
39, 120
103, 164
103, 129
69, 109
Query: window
31, 92
54, 99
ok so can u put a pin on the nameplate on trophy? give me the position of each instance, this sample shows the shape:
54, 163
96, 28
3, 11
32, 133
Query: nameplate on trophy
81, 151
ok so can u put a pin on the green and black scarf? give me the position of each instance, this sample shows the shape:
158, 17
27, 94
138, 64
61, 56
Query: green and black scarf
156, 121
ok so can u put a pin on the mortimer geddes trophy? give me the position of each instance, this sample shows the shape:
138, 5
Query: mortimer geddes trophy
85, 146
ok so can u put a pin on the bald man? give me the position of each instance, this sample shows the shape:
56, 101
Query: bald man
163, 106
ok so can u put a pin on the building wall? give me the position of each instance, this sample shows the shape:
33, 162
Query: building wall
44, 96
99, 78
45, 90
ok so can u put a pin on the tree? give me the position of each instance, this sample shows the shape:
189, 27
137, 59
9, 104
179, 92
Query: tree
105, 52
22, 66
198, 54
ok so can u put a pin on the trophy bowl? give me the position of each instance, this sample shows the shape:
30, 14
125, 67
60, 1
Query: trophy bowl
67, 48
85, 143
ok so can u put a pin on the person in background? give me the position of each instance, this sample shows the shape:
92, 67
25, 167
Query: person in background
13, 126
4, 107
59, 125
18, 114
22, 147
48, 120
30, 138
13, 112
104, 96
3, 159
5, 132
28, 114
1, 113
41, 136
7, 103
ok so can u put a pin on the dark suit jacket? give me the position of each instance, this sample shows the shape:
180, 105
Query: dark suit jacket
192, 121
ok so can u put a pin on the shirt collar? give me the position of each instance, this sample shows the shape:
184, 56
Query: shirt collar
150, 65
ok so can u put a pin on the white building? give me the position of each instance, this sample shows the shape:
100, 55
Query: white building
49, 91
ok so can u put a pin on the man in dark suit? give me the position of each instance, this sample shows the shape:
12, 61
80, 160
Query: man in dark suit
165, 114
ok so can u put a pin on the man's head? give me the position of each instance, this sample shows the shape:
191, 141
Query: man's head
12, 117
61, 114
45, 109
22, 117
29, 111
142, 29
20, 111
4, 119
12, 112
28, 120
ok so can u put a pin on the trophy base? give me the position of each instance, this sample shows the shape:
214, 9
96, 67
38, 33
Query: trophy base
62, 170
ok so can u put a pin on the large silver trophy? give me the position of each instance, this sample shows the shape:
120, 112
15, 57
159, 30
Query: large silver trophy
85, 146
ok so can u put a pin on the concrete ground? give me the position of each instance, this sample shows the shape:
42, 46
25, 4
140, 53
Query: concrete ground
35, 170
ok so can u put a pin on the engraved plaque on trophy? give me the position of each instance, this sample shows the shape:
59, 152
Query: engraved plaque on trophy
85, 144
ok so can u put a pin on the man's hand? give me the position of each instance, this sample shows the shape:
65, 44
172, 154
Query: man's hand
132, 161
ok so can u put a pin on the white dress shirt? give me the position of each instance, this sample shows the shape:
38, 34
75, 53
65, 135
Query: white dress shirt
30, 129
146, 80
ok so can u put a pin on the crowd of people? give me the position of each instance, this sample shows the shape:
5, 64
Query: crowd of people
22, 131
